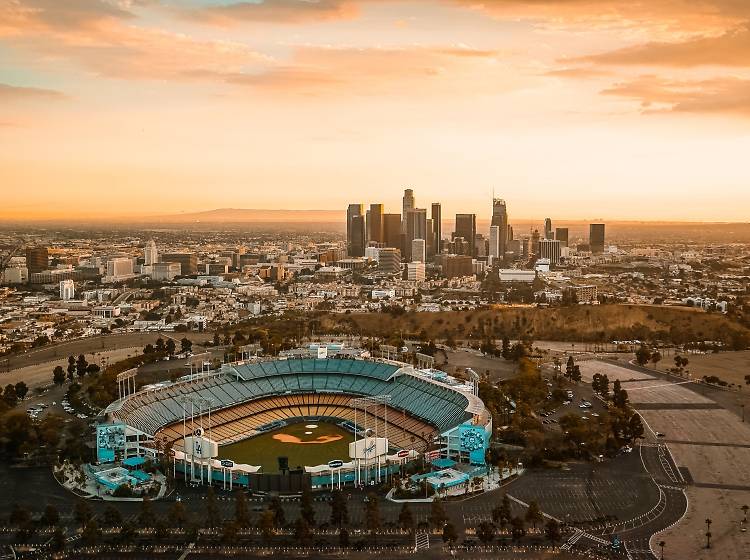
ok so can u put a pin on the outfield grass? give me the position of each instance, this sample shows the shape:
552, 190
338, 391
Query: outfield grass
324, 443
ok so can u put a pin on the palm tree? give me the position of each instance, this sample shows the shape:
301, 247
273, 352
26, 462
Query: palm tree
661, 545
708, 532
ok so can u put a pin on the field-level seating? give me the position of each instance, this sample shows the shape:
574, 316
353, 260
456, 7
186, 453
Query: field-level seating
244, 420
263, 392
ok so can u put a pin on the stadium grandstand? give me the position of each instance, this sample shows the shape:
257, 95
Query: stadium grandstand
241, 400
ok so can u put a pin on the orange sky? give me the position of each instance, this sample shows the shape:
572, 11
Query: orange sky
619, 109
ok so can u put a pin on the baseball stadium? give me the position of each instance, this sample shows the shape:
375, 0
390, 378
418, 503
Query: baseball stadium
339, 420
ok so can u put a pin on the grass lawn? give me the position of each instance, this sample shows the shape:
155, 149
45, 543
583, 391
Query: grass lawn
302, 444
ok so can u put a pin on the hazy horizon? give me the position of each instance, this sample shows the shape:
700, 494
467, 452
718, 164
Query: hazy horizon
608, 109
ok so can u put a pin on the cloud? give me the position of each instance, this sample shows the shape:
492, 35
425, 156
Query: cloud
25, 16
719, 95
578, 73
680, 16
728, 49
335, 69
276, 11
18, 93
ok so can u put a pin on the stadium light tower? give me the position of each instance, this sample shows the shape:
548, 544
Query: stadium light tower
363, 404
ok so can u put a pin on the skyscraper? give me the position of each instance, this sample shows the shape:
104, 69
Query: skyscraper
418, 250
429, 240
596, 238
416, 228
500, 219
392, 230
561, 234
548, 228
408, 204
550, 249
437, 226
150, 253
355, 234
494, 242
466, 227
37, 259
376, 224
535, 242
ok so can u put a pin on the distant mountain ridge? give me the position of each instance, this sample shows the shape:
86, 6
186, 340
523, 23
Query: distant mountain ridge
234, 215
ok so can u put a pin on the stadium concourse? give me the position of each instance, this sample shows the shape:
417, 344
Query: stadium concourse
395, 411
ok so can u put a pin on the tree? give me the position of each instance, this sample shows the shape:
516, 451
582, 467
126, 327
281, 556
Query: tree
745, 509
21, 390
437, 513
266, 525
58, 375
372, 513
177, 514
343, 538
302, 532
212, 508
485, 532
112, 516
552, 530
662, 544
506, 348
576, 374
186, 344
92, 369
450, 536
642, 355
217, 339
19, 516
81, 365
91, 533
279, 517
146, 516
534, 514
708, 532
307, 511
635, 427
58, 540
9, 395
339, 509
82, 512
229, 532
501, 514
160, 345
569, 367
170, 347
50, 516
71, 367
241, 513
405, 517
517, 529
655, 358
148, 349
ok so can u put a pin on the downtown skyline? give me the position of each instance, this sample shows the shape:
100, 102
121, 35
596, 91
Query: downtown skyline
606, 110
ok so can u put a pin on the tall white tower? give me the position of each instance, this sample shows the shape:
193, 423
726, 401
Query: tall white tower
151, 254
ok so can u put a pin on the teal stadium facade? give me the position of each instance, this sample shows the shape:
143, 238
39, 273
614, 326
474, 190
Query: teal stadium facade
418, 412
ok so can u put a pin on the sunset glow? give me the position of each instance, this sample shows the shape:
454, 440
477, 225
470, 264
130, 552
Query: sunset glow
617, 109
